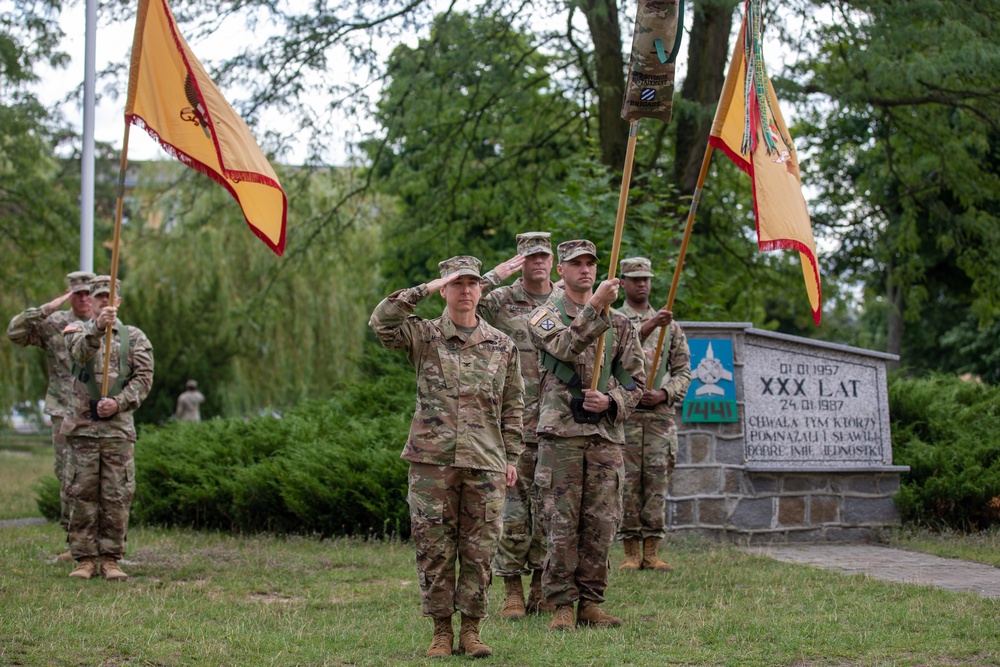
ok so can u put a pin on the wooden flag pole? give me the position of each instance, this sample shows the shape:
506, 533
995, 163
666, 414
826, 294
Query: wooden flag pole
114, 257
616, 245
680, 259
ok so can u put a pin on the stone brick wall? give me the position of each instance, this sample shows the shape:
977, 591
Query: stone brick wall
714, 492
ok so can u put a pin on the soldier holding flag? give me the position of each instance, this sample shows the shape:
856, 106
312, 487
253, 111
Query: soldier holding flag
580, 433
650, 432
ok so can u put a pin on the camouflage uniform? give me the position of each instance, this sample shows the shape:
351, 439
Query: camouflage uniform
522, 547
579, 470
100, 473
465, 431
43, 328
189, 403
651, 435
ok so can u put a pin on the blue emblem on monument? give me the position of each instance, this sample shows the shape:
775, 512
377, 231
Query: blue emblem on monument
712, 394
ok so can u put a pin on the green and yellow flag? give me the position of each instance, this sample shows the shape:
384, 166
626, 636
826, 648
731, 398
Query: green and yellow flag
749, 129
174, 100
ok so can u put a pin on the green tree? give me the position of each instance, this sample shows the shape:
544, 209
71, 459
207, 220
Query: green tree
38, 212
477, 138
256, 331
904, 136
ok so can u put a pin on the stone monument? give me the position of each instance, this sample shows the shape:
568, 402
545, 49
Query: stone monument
782, 438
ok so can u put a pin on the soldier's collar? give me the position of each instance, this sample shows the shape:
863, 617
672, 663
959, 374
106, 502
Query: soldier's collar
449, 330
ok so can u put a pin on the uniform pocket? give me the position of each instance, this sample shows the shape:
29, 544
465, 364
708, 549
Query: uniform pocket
494, 509
543, 468
130, 477
438, 368
424, 510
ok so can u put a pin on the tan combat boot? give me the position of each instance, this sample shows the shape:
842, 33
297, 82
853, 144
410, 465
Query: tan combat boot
590, 613
443, 639
650, 561
468, 639
65, 557
85, 569
111, 571
563, 618
537, 603
513, 604
631, 561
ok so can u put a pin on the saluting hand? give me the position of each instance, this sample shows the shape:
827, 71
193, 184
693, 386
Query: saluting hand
510, 267
58, 301
438, 284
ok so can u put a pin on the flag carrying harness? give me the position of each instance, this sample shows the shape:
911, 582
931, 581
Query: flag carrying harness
568, 375
86, 375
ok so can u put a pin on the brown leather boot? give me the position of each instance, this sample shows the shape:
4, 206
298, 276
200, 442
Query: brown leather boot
631, 561
590, 613
468, 639
64, 557
111, 571
513, 604
537, 603
85, 569
563, 618
650, 561
443, 639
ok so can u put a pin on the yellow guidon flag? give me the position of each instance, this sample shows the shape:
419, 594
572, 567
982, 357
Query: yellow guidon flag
172, 97
749, 129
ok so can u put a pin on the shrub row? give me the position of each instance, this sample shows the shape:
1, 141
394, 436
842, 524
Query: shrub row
325, 467
333, 467
948, 432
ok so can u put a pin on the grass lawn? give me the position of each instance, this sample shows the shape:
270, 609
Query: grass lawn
209, 599
212, 599
983, 546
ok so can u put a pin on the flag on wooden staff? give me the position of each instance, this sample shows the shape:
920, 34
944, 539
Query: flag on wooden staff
172, 97
749, 129
656, 40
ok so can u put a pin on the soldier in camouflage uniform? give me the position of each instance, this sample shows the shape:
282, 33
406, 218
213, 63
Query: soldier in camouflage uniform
650, 433
463, 445
100, 433
189, 403
580, 433
43, 327
522, 548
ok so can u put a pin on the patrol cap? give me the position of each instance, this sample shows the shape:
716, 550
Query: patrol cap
531, 243
191, 384
79, 281
463, 265
570, 249
636, 267
102, 285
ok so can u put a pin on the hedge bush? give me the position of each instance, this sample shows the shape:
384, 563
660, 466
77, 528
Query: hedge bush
333, 467
325, 467
948, 432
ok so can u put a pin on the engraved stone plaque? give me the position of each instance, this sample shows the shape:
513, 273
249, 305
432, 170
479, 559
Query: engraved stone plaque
813, 406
